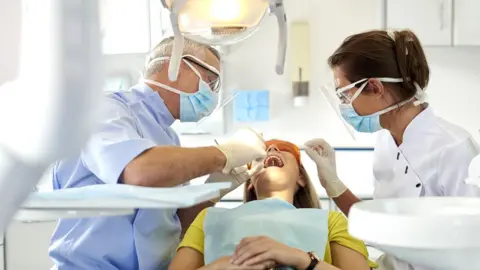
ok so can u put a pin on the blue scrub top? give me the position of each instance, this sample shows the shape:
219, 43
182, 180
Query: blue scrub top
132, 122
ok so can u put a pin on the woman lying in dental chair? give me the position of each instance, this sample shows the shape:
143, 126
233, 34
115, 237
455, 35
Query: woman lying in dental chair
280, 226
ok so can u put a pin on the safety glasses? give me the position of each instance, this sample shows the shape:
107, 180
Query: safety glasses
212, 75
282, 146
347, 96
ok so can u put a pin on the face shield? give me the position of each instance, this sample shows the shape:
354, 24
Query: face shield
222, 22
334, 99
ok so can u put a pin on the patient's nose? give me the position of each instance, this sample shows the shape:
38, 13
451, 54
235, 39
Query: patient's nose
272, 148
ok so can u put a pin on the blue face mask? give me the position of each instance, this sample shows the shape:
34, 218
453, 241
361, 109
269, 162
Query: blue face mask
193, 106
367, 123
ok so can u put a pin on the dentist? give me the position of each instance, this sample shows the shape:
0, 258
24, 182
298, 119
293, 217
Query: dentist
380, 79
135, 145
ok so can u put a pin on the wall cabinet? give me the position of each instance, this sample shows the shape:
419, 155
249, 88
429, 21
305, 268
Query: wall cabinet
430, 20
466, 23
437, 22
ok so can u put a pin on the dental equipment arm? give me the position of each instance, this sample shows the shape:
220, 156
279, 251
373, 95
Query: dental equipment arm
45, 113
175, 6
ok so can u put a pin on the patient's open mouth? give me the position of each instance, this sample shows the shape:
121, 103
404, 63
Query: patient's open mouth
273, 161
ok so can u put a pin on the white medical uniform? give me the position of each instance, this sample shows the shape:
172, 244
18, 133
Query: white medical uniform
433, 160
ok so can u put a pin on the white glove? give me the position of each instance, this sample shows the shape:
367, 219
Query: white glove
243, 147
324, 157
237, 177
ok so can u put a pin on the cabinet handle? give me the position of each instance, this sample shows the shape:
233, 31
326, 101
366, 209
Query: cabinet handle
442, 14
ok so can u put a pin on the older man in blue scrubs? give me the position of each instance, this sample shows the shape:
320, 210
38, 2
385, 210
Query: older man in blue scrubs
135, 145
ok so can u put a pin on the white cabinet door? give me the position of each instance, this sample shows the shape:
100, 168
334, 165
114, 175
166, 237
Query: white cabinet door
466, 23
125, 26
27, 245
430, 20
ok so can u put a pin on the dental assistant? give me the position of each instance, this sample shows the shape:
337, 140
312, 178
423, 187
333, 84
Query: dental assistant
134, 144
380, 78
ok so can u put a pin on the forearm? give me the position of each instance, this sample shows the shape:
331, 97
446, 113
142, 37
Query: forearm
345, 201
303, 261
325, 266
167, 166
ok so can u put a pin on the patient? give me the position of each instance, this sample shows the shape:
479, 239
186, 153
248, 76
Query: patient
280, 226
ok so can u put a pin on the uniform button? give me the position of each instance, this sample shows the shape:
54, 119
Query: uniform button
406, 169
398, 155
418, 185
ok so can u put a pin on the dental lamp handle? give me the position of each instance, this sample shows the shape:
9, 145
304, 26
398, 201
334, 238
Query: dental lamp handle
177, 50
279, 9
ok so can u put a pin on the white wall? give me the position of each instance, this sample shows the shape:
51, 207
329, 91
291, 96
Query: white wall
454, 89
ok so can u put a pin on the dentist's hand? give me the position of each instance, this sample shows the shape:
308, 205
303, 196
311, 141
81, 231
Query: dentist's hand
243, 147
237, 177
324, 157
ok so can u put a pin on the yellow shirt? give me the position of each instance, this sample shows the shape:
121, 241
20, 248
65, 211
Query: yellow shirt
337, 232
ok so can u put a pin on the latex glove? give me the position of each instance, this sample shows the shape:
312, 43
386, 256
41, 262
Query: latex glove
324, 157
237, 177
243, 147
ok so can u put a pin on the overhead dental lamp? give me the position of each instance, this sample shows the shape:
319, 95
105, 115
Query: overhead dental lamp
222, 22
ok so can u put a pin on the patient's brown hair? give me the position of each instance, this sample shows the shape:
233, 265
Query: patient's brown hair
305, 197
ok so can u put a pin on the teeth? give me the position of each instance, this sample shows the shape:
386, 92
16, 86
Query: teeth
273, 161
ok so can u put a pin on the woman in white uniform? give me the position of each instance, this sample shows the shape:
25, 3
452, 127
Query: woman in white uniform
380, 78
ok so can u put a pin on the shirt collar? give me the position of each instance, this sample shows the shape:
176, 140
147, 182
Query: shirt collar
155, 104
422, 120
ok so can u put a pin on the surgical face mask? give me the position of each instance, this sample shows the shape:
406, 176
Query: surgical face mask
193, 106
369, 123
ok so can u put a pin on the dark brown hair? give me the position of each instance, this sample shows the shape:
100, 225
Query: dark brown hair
305, 197
375, 54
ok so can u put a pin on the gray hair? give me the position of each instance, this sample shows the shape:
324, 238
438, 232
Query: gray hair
164, 49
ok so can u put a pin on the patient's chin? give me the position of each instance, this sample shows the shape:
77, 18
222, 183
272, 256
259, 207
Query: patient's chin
272, 175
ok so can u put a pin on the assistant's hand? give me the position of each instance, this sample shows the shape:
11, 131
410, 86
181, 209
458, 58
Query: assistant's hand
237, 177
320, 152
224, 263
243, 147
258, 249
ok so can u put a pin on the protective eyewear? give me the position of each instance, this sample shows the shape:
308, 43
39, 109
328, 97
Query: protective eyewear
346, 96
212, 75
282, 146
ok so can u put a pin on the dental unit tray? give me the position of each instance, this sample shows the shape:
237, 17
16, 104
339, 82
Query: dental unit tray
113, 199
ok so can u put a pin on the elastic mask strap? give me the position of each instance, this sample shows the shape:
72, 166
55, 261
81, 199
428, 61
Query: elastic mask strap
193, 69
420, 95
350, 86
393, 107
358, 92
389, 80
168, 88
